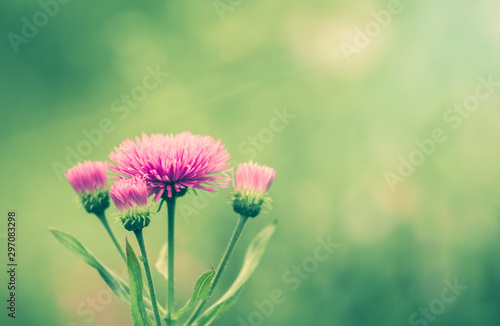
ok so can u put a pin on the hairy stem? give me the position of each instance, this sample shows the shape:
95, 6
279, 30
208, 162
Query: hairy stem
104, 220
140, 240
222, 266
171, 232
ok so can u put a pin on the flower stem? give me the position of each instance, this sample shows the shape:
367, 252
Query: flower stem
104, 220
171, 232
222, 266
140, 240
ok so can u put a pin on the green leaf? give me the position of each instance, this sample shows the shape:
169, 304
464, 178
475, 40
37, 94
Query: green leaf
200, 292
252, 259
114, 282
139, 314
162, 261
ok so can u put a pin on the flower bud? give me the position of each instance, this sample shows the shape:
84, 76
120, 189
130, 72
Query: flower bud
89, 181
135, 219
130, 196
250, 189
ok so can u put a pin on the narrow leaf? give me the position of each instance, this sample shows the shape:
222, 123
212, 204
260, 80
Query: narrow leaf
114, 282
200, 292
139, 314
252, 259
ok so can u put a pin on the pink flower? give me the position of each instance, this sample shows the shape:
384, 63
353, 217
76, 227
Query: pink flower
253, 178
129, 193
250, 189
88, 176
173, 162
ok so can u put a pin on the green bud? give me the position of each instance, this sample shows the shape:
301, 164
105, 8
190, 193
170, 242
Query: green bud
248, 204
95, 202
135, 219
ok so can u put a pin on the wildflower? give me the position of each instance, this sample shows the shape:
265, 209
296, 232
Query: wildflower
250, 189
171, 163
249, 195
130, 196
89, 181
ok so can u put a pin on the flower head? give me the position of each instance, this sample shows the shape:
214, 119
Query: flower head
89, 181
254, 178
130, 196
171, 163
88, 176
250, 189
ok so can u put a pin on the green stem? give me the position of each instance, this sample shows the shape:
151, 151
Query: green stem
104, 220
171, 232
222, 266
140, 240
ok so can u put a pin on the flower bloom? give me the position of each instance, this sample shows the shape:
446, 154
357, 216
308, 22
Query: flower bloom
130, 196
250, 189
88, 176
171, 163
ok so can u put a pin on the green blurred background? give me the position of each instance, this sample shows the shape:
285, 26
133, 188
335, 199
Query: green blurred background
349, 123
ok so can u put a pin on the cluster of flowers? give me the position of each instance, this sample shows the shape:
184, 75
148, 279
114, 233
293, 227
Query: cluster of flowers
164, 167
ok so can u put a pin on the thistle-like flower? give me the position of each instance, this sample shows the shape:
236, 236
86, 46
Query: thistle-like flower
130, 196
250, 189
171, 163
89, 181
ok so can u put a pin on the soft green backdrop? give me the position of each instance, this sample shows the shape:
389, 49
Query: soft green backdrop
351, 121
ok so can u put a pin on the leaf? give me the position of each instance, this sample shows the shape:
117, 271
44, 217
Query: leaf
139, 314
200, 292
162, 261
114, 282
252, 259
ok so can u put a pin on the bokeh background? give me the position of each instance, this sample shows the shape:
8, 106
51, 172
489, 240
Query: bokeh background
350, 119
